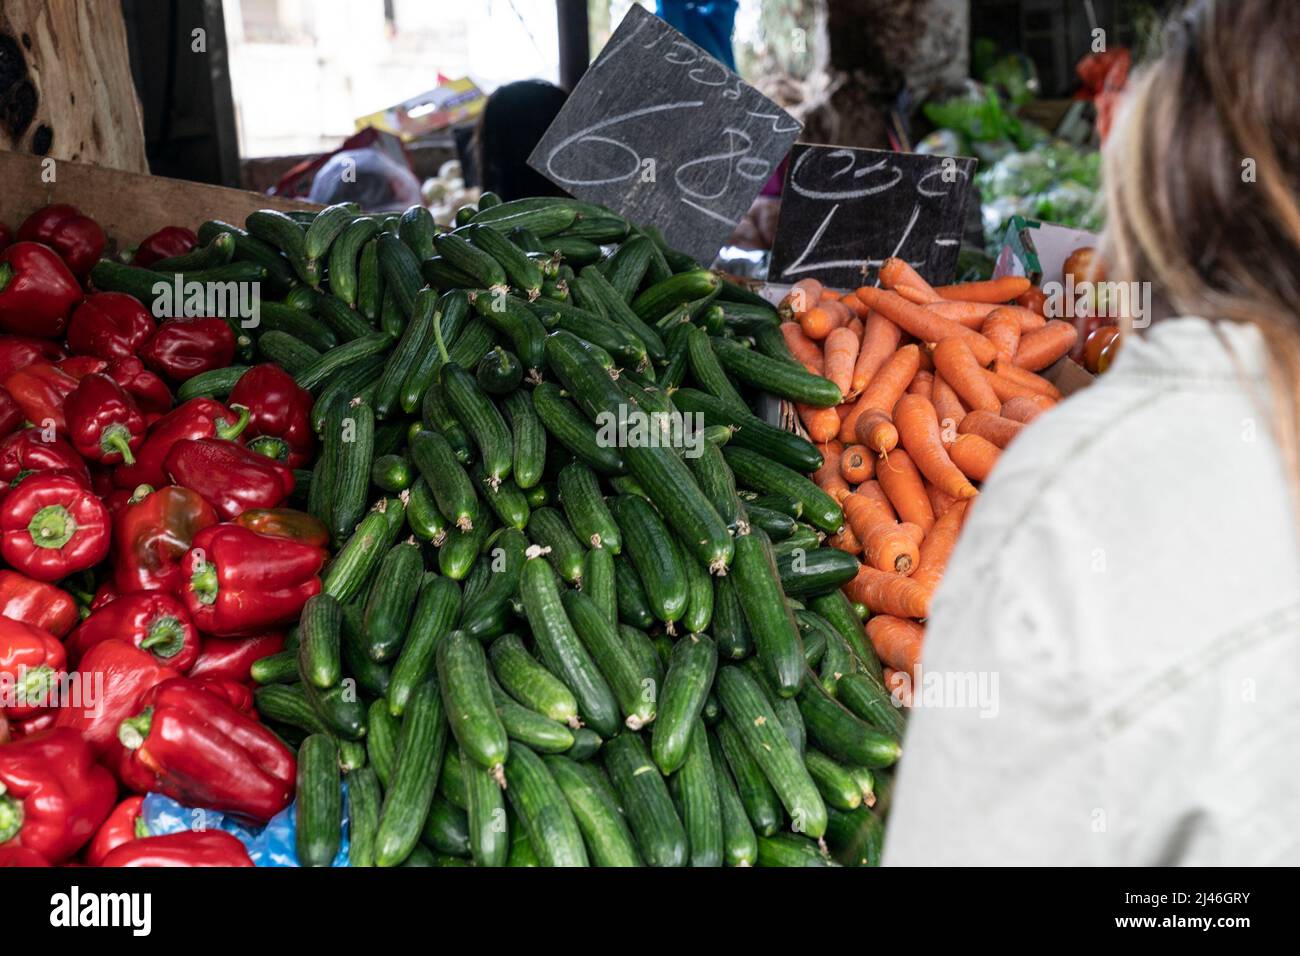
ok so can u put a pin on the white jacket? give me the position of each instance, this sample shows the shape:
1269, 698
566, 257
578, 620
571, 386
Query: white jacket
1128, 584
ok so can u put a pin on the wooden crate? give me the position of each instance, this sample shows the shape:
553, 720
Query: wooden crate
128, 205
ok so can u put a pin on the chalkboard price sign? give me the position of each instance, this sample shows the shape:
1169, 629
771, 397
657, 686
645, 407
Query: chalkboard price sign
665, 135
845, 211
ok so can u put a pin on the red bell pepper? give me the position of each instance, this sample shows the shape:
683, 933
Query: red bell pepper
51, 526
109, 325
104, 595
19, 351
167, 243
26, 726
231, 658
182, 348
27, 452
112, 679
31, 660
154, 621
40, 391
150, 392
286, 523
280, 414
37, 292
103, 422
153, 532
37, 603
53, 796
123, 825
11, 414
237, 582
75, 237
203, 752
20, 856
4, 729
197, 418
79, 366
239, 695
189, 848
231, 477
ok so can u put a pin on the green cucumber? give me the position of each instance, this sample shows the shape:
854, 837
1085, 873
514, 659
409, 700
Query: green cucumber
605, 227
432, 619
506, 499
320, 802
364, 802
279, 276
585, 507
287, 704
391, 473
388, 608
528, 438
370, 281
717, 483
775, 376
417, 338
595, 291
214, 383
281, 668
573, 251
441, 274
453, 307
485, 424
458, 553
499, 372
699, 591
344, 255
677, 290
771, 624
339, 708
650, 811
740, 846
521, 272
467, 697
446, 830
786, 708
533, 730
570, 428
760, 473
561, 650
856, 837
414, 776
548, 529
401, 271
762, 805
216, 251
598, 581
489, 834
839, 788
276, 317
511, 317
530, 683
586, 744
654, 554
423, 516
870, 701
746, 706
700, 801
708, 373
627, 266
503, 559
382, 733
437, 416
605, 832
633, 605
282, 232
337, 359
816, 571
451, 782
474, 262
776, 525
730, 629
750, 431
416, 228
841, 734
790, 850
452, 488
542, 809
289, 352
838, 611
353, 382
354, 563
691, 670
326, 227
319, 649
634, 687
618, 341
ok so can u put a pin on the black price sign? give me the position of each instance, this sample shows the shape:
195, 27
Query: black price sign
665, 135
845, 211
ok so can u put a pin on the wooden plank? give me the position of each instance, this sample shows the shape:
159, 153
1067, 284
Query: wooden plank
128, 205
72, 73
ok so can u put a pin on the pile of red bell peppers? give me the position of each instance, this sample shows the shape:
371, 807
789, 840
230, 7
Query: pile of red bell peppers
147, 557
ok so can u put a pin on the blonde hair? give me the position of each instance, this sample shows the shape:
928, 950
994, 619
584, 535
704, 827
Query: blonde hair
1203, 182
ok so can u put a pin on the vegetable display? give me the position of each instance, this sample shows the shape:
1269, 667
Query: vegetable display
479, 521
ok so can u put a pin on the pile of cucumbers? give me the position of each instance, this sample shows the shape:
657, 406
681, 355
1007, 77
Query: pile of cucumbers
537, 644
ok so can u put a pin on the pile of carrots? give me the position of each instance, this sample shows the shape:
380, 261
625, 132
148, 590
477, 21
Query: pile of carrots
937, 382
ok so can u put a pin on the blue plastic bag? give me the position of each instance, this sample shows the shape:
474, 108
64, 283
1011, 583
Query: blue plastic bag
272, 845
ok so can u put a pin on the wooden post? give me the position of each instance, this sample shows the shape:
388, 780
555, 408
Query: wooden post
575, 41
65, 83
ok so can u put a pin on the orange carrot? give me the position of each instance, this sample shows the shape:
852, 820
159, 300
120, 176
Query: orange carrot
888, 545
803, 295
831, 451
905, 489
899, 686
1021, 409
822, 424
918, 432
897, 641
1027, 319
855, 305
949, 407
1005, 388
886, 593
974, 455
919, 321
991, 427
959, 369
940, 501
802, 348
991, 290
895, 272
841, 354
884, 388
830, 295
856, 327
938, 546
876, 430
1002, 328
845, 540
819, 321
1015, 373
1040, 349
879, 341
857, 464
922, 384
969, 314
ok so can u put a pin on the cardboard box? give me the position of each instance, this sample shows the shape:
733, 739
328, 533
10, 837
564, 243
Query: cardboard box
128, 205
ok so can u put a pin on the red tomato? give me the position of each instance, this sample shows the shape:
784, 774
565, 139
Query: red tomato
1083, 265
1109, 353
1032, 299
1097, 341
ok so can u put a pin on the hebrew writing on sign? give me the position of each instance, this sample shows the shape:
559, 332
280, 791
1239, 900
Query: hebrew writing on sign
666, 136
845, 211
